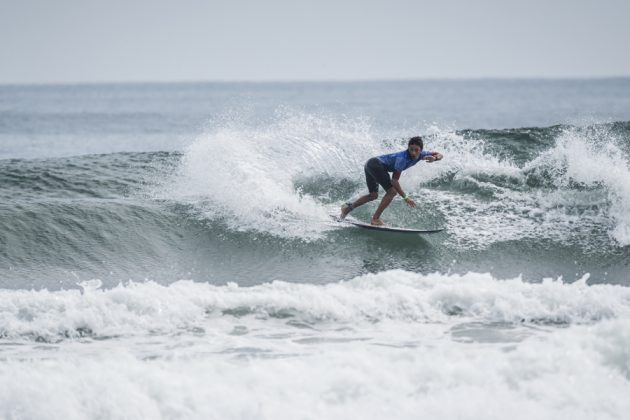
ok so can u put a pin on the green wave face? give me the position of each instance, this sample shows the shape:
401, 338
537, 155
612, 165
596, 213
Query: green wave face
538, 201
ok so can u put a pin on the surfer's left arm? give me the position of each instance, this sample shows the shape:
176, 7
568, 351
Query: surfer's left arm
433, 157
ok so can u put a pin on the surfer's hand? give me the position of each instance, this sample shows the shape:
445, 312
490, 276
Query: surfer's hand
410, 202
435, 157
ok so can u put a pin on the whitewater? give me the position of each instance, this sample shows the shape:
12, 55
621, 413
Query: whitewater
167, 251
389, 344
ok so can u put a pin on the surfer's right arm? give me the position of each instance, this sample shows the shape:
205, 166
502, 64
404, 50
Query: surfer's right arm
400, 191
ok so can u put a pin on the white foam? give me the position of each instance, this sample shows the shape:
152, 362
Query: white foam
139, 308
464, 157
593, 159
566, 375
246, 176
587, 192
472, 221
387, 344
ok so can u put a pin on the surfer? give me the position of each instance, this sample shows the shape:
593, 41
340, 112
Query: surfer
377, 172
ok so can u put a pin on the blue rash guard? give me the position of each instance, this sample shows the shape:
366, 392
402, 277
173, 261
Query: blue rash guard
399, 161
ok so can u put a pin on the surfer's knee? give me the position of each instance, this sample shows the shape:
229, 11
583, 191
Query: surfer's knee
391, 191
373, 196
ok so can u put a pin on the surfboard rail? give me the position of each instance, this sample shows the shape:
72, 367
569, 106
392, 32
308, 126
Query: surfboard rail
384, 228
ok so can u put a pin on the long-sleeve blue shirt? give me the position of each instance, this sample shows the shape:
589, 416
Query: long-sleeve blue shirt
399, 161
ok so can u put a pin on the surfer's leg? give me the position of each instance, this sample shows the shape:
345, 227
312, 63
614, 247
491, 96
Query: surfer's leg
348, 207
389, 196
372, 185
382, 177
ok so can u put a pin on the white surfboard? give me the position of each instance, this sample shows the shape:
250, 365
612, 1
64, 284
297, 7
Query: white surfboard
384, 228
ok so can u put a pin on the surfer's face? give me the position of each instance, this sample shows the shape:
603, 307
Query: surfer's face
414, 151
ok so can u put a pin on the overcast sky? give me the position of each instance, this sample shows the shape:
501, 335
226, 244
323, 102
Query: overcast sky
68, 41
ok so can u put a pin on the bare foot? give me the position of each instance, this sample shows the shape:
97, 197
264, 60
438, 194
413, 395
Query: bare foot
345, 209
377, 222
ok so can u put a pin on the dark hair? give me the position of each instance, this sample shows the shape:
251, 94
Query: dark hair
417, 141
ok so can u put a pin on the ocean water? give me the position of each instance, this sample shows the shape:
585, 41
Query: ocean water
166, 251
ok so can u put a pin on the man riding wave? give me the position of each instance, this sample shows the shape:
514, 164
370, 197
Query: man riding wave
377, 171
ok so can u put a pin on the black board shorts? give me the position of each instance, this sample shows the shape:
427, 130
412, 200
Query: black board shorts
375, 174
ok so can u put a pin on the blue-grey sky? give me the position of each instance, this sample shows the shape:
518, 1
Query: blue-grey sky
67, 41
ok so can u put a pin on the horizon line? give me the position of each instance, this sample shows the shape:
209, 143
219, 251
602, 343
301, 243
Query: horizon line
313, 81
